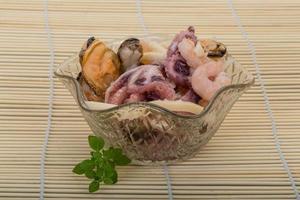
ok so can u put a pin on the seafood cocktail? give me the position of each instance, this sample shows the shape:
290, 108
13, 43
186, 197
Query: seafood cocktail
159, 100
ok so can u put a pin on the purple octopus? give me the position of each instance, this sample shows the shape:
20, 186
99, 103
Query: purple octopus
176, 68
152, 82
144, 83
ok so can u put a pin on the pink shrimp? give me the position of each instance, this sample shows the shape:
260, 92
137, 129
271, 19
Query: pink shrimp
205, 83
215, 67
194, 55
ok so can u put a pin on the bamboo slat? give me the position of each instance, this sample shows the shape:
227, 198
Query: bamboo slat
241, 160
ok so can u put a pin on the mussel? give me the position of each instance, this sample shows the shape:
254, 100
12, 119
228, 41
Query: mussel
130, 53
100, 66
213, 48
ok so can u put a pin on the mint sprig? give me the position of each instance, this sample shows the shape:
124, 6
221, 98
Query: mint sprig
101, 167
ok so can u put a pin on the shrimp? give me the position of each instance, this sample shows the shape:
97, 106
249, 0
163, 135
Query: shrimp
216, 68
206, 85
194, 55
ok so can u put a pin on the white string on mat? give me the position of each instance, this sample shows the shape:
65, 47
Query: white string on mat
142, 22
50, 101
169, 184
140, 17
266, 99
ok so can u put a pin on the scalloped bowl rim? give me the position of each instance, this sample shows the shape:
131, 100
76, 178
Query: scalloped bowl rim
83, 105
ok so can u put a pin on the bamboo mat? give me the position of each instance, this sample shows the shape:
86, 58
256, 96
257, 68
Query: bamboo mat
242, 161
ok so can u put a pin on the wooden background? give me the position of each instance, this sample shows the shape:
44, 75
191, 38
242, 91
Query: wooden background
242, 161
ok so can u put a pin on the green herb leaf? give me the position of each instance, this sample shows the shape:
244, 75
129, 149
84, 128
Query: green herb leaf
99, 172
78, 170
109, 173
109, 153
96, 143
111, 179
119, 158
122, 160
97, 157
117, 151
101, 166
115, 155
90, 174
108, 168
94, 186
87, 165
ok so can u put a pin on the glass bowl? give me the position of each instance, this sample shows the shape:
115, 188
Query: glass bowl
148, 133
